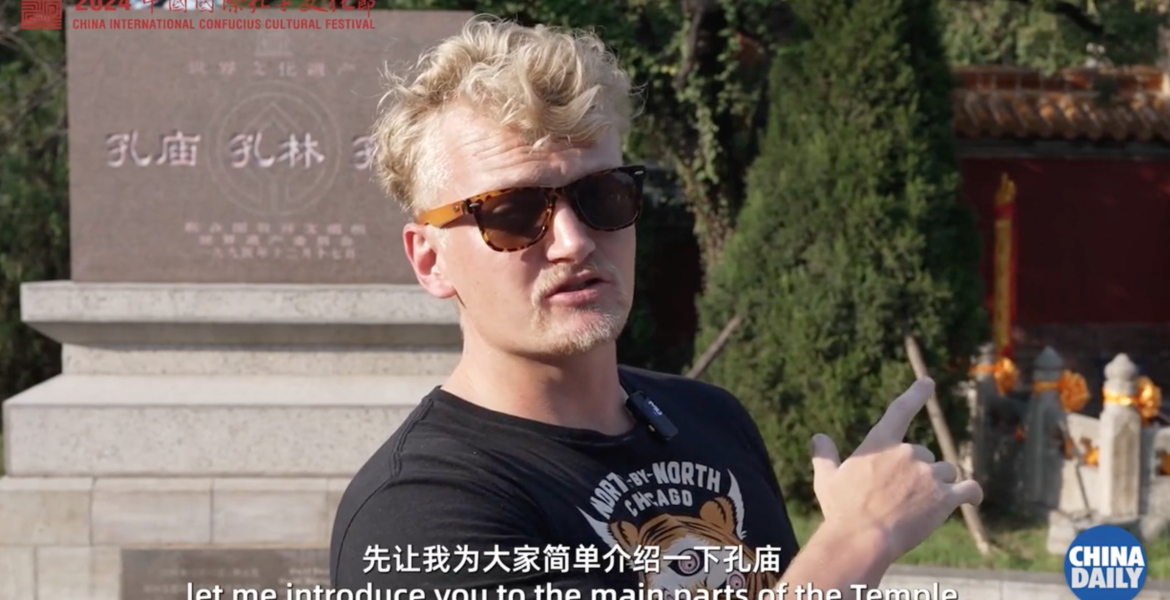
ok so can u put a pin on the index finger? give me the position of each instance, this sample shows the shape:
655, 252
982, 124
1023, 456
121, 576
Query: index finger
891, 429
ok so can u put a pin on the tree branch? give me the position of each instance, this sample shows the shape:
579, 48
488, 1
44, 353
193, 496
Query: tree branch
1073, 13
698, 14
37, 99
13, 40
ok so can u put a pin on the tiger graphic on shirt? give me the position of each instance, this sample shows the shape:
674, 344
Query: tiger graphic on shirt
695, 552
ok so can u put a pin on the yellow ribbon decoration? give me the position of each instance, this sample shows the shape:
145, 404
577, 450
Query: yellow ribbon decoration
1003, 371
1115, 398
1146, 402
1149, 400
1073, 391
1090, 453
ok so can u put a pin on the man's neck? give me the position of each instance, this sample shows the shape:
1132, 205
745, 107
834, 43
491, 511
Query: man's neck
581, 391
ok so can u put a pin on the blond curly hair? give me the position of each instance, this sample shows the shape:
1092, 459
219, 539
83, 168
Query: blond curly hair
548, 84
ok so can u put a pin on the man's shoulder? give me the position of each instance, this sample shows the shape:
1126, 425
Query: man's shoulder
698, 395
430, 468
426, 440
684, 399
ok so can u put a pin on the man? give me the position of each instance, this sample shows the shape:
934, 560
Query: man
540, 462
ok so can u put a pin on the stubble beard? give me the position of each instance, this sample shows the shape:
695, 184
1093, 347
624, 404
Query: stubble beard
583, 328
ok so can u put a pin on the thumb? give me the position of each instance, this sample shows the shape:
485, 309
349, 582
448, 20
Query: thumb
825, 457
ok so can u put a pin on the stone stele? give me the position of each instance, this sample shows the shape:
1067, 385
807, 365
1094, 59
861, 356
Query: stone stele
242, 329
227, 156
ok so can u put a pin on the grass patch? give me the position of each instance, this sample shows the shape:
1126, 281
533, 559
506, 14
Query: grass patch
1020, 547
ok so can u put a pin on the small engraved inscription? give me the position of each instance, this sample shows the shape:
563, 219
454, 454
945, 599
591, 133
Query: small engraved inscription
164, 574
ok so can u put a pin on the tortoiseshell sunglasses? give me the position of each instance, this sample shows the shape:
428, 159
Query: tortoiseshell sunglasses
516, 218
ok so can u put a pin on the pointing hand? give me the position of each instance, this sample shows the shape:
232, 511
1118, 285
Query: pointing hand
887, 486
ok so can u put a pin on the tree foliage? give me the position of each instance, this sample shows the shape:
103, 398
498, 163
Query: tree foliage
1052, 34
34, 237
852, 233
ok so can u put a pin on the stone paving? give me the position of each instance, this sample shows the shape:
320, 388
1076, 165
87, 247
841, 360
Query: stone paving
973, 584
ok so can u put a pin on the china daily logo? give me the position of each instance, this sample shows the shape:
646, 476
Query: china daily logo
1105, 563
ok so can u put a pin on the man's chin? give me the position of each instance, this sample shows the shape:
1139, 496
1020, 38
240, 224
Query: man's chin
584, 332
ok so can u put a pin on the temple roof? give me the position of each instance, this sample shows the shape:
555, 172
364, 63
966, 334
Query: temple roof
1011, 102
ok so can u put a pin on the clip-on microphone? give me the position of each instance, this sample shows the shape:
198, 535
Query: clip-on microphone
648, 413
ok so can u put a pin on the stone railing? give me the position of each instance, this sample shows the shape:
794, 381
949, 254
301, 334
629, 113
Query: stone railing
1042, 452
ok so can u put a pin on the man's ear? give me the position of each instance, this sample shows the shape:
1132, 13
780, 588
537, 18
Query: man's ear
423, 253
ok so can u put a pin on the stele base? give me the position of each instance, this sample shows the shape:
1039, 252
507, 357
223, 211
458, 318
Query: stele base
197, 417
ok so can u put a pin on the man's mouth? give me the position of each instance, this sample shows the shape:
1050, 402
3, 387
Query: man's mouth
576, 284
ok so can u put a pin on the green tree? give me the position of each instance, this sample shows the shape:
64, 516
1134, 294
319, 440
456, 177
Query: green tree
34, 189
1052, 34
853, 231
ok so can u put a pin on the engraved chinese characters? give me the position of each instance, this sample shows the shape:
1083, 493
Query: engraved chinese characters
281, 149
236, 156
176, 149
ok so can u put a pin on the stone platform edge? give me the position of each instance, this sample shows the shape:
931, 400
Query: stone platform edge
155, 315
75, 426
987, 584
74, 302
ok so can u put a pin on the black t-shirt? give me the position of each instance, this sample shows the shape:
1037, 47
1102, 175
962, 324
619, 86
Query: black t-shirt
465, 497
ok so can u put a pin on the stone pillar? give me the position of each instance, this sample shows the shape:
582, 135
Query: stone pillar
1147, 467
241, 331
1156, 495
1152, 525
984, 390
1119, 443
1042, 447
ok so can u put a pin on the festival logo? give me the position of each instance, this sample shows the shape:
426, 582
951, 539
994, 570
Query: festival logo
40, 14
695, 516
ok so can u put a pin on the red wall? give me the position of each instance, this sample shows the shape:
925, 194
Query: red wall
1094, 237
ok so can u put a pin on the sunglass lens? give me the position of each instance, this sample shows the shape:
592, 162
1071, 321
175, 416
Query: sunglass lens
514, 219
611, 201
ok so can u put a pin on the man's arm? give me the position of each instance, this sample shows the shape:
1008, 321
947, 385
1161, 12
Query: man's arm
838, 557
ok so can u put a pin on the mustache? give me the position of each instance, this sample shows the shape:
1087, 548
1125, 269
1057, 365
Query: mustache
552, 278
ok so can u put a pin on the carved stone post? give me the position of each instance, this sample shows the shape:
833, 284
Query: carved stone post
983, 393
1147, 467
1156, 495
1119, 441
1042, 450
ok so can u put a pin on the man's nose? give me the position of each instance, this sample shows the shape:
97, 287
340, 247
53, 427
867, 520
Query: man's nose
570, 239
